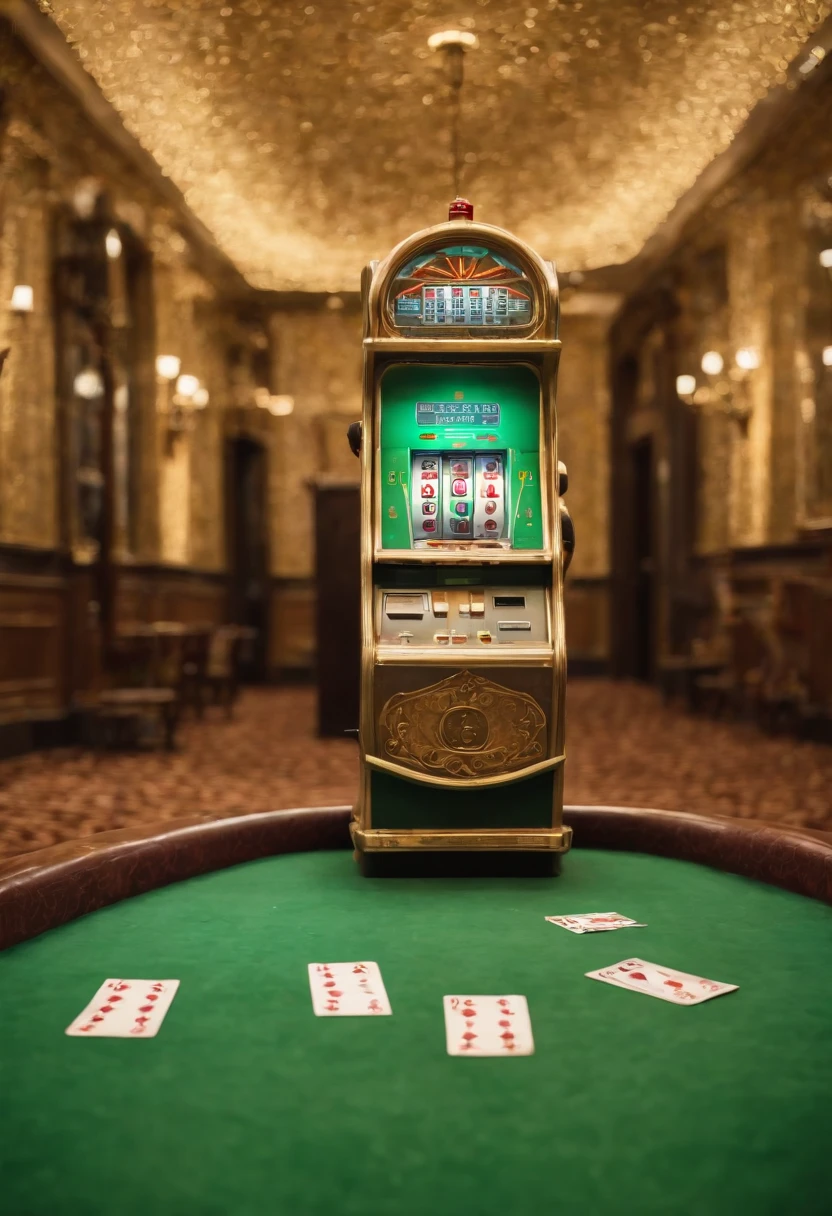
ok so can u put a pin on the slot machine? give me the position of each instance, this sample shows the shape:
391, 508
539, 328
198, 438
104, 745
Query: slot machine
463, 662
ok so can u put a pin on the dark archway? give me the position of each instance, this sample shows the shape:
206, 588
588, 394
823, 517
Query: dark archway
653, 487
246, 467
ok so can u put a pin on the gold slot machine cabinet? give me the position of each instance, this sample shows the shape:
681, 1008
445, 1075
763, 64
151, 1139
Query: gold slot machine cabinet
463, 661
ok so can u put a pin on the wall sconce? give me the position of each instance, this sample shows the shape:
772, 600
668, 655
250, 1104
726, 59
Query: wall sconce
183, 400
88, 384
277, 404
167, 366
827, 356
747, 358
184, 405
728, 396
281, 404
112, 243
23, 298
85, 197
816, 55
825, 258
186, 386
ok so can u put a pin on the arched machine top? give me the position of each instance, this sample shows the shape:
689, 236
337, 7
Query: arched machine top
463, 280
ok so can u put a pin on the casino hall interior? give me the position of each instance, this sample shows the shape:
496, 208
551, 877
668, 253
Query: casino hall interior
189, 191
415, 542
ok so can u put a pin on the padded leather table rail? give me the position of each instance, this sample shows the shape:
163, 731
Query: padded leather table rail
41, 890
44, 889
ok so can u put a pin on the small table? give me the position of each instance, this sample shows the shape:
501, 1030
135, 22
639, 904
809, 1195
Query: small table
678, 676
124, 704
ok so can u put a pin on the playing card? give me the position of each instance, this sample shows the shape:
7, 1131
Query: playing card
488, 1026
595, 922
347, 990
125, 1009
678, 987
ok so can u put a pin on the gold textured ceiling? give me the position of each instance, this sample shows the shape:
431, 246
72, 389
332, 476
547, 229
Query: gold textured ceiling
311, 137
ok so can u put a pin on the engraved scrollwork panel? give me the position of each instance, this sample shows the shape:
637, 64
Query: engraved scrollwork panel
465, 726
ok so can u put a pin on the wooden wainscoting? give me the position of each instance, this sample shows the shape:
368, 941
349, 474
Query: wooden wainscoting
32, 646
587, 611
292, 611
171, 593
50, 633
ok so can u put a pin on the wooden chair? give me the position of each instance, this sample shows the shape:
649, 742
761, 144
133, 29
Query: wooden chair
145, 679
193, 685
121, 711
701, 673
222, 668
815, 709
734, 689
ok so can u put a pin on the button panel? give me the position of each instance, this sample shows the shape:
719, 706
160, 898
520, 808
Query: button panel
463, 616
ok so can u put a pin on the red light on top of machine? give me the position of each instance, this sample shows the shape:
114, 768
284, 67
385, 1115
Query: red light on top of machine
461, 209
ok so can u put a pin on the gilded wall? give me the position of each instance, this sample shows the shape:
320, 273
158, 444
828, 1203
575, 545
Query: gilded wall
584, 446
583, 437
46, 151
187, 467
317, 352
52, 161
317, 360
28, 422
765, 462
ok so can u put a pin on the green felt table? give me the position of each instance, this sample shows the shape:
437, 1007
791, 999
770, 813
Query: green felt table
247, 1103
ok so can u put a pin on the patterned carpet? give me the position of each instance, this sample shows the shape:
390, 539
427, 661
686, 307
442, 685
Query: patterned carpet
623, 747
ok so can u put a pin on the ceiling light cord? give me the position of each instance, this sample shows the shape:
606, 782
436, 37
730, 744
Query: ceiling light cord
454, 44
456, 76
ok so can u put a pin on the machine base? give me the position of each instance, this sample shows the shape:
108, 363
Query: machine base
433, 864
529, 852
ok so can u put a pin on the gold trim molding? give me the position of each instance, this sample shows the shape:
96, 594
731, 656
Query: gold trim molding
527, 840
384, 766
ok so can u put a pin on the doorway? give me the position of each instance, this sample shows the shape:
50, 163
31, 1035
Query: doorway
248, 549
643, 558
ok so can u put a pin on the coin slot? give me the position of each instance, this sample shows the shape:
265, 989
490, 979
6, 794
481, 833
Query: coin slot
405, 607
515, 626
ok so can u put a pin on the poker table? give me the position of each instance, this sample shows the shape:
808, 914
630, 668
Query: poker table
247, 1103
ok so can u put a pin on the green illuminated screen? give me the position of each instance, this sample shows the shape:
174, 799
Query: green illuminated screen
460, 457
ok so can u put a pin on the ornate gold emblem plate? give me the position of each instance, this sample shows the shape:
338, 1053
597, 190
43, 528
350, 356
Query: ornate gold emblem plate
464, 726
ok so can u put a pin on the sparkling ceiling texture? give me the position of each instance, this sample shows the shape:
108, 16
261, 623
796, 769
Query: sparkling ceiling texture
311, 137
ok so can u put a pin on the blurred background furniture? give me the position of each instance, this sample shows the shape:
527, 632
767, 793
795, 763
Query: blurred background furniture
224, 661
161, 669
337, 613
765, 655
